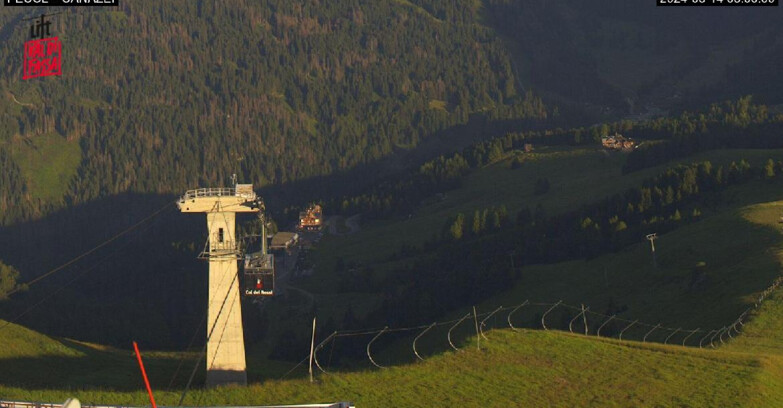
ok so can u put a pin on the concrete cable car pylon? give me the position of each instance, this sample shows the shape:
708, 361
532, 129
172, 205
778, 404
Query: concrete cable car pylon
226, 352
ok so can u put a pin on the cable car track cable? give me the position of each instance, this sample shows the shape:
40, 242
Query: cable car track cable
62, 287
95, 248
209, 336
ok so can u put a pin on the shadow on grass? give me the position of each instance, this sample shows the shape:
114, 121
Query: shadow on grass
115, 370
708, 273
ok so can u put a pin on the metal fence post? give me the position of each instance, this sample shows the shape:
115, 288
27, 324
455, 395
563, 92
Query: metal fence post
448, 336
626, 328
670, 336
543, 323
417, 338
644, 339
688, 336
481, 325
508, 319
370, 343
598, 333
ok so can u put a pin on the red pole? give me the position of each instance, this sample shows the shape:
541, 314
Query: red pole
144, 374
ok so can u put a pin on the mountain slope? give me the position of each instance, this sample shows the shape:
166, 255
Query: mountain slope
708, 272
527, 367
632, 57
531, 368
163, 96
33, 360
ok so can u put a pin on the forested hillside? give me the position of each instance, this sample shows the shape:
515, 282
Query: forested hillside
161, 96
632, 57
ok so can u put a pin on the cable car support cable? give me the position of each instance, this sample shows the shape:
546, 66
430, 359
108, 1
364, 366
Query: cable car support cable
97, 247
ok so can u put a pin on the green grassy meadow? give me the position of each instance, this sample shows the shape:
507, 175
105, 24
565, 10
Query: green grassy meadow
48, 163
522, 368
738, 245
739, 248
577, 176
34, 360
741, 251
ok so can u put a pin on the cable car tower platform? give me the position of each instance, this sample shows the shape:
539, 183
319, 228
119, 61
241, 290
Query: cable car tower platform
225, 335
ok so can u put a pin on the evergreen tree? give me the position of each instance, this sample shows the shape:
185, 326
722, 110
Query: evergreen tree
8, 278
476, 223
457, 227
769, 169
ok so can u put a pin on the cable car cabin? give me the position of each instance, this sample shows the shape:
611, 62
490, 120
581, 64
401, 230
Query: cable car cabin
259, 274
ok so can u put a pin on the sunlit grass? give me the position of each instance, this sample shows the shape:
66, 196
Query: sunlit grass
524, 368
577, 176
48, 163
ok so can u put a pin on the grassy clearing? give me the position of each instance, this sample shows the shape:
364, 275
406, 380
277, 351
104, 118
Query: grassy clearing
526, 368
418, 9
438, 104
741, 244
48, 163
577, 176
523, 368
764, 337
91, 103
32, 360
765, 334
742, 247
21, 96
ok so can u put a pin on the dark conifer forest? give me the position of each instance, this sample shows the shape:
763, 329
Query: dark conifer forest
162, 96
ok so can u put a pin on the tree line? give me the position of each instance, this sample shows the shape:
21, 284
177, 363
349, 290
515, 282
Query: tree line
173, 96
472, 258
732, 124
